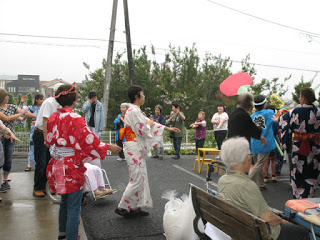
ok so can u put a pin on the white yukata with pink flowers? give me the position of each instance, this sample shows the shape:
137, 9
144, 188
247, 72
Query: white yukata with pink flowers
137, 193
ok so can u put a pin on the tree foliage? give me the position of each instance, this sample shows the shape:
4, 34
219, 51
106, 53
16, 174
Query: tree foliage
298, 87
181, 77
11, 99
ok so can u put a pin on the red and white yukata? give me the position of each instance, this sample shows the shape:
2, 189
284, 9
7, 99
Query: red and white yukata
137, 193
74, 144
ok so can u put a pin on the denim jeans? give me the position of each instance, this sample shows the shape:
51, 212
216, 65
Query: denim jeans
41, 157
8, 148
200, 144
177, 145
69, 214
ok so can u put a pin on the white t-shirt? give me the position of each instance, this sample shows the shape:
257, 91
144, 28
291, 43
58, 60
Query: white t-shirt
222, 116
49, 106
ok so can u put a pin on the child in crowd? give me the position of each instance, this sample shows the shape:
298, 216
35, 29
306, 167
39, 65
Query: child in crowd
273, 154
200, 125
158, 118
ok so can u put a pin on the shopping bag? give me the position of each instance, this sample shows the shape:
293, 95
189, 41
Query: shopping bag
178, 217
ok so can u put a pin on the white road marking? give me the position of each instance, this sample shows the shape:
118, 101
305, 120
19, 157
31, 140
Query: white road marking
279, 179
195, 175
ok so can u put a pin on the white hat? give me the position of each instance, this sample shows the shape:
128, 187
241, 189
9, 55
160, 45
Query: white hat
55, 88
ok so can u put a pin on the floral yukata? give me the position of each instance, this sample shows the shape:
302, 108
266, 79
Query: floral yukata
73, 144
303, 124
139, 138
34, 109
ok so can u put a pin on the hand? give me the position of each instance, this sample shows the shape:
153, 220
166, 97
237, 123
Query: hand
275, 118
285, 222
174, 129
13, 137
114, 148
121, 118
23, 99
23, 111
150, 122
191, 125
46, 144
263, 140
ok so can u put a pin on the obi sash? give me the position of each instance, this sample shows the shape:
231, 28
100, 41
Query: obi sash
127, 133
305, 139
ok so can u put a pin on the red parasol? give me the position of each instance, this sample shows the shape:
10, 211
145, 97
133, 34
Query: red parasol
236, 84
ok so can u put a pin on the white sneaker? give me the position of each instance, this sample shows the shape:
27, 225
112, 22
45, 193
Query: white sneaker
121, 159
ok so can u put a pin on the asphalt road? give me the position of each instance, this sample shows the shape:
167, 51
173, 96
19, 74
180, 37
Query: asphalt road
100, 221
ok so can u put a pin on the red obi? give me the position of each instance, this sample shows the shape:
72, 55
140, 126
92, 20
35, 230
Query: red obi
305, 139
127, 133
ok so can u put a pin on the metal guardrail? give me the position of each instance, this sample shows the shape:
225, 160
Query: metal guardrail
21, 148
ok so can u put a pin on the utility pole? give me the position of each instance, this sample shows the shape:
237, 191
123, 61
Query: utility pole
128, 37
108, 72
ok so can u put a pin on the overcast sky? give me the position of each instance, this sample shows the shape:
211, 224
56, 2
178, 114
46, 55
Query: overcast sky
213, 28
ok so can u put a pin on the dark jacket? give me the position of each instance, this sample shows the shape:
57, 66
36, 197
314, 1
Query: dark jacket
240, 124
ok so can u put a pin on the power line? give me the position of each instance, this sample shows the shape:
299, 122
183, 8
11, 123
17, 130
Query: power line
265, 20
163, 49
51, 44
55, 37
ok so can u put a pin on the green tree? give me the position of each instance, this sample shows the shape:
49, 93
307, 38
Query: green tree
19, 98
181, 77
298, 87
11, 99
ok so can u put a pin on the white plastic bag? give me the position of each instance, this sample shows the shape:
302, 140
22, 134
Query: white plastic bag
215, 233
178, 217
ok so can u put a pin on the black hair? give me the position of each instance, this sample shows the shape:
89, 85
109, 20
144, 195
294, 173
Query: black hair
92, 94
67, 99
133, 91
37, 97
222, 105
272, 107
308, 93
259, 99
176, 105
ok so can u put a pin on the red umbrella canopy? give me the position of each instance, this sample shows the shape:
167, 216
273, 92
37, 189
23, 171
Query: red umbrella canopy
236, 84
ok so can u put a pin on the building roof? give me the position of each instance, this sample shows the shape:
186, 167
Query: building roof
52, 82
8, 77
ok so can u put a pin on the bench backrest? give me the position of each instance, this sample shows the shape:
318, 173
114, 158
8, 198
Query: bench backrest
235, 222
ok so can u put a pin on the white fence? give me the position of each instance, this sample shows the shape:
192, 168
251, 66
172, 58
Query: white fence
21, 148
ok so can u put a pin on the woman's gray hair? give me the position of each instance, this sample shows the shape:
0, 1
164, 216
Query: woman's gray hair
234, 151
127, 105
159, 107
245, 101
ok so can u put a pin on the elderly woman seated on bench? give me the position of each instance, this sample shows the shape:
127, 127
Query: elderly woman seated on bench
238, 189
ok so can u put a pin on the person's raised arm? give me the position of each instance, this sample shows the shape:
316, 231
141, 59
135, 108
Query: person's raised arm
170, 119
86, 106
6, 118
181, 115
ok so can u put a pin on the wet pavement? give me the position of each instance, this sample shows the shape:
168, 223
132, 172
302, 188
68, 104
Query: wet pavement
26, 217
